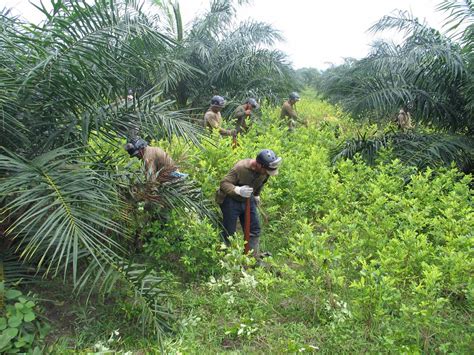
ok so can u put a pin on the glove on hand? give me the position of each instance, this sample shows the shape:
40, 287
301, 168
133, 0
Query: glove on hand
244, 191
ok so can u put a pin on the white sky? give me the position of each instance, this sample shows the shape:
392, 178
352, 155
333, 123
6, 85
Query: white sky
317, 33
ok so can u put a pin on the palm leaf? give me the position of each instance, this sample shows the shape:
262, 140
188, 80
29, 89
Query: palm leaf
416, 149
149, 295
59, 209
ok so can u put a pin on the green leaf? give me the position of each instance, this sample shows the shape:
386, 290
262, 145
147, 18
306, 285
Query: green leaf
3, 323
29, 338
44, 330
20, 343
14, 321
10, 332
29, 317
19, 306
11, 294
5, 342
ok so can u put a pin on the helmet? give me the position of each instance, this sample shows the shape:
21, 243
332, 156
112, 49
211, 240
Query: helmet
217, 101
268, 159
294, 96
252, 102
134, 146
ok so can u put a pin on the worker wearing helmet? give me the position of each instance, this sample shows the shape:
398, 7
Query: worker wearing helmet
242, 112
245, 180
213, 118
288, 111
157, 161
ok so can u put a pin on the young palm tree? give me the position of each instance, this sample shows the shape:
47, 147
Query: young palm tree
235, 60
64, 82
429, 74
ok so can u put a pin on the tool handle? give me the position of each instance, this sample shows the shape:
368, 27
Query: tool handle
247, 226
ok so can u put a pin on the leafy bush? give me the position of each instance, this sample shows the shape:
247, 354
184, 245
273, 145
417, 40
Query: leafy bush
20, 329
365, 257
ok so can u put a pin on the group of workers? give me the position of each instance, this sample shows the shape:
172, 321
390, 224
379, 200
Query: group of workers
213, 118
246, 178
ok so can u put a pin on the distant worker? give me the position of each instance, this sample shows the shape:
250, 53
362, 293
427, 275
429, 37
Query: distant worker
157, 161
245, 180
288, 111
242, 112
403, 120
213, 118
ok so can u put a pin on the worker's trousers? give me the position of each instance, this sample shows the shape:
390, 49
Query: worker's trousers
233, 209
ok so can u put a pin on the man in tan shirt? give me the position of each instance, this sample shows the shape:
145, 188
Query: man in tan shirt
213, 118
404, 120
157, 162
245, 180
288, 111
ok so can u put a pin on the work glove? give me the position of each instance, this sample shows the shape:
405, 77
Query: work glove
244, 191
257, 200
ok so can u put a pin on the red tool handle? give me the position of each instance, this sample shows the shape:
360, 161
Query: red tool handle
247, 226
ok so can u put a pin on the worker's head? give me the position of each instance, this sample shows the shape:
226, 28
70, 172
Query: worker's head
251, 103
217, 103
294, 97
136, 147
268, 161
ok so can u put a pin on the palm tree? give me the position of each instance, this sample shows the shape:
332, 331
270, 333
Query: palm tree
234, 60
429, 73
64, 84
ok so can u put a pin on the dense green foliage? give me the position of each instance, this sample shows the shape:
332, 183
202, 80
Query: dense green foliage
366, 258
429, 74
20, 330
65, 107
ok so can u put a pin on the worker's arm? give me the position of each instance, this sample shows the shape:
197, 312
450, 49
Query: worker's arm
212, 121
226, 132
289, 111
229, 182
292, 113
240, 115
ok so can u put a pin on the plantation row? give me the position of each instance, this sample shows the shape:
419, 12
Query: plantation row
369, 254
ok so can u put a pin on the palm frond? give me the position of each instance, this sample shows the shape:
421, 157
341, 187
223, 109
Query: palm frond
399, 20
149, 295
182, 195
460, 13
13, 271
85, 57
59, 210
416, 149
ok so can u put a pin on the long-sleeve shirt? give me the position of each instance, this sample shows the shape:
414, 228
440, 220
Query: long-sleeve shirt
240, 115
288, 111
156, 161
213, 120
241, 174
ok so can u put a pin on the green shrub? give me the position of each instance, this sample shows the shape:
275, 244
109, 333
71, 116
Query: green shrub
366, 258
20, 329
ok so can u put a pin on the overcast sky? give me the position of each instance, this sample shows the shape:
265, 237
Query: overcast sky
316, 32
